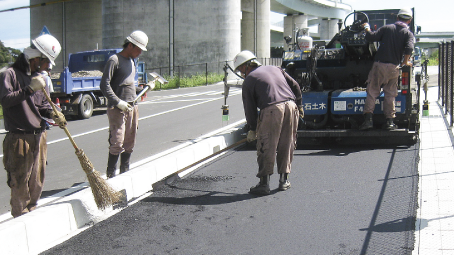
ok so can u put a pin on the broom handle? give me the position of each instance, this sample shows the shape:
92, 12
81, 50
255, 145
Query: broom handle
56, 112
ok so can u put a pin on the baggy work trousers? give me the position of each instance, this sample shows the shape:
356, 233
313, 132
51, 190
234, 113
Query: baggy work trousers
276, 137
122, 129
24, 159
386, 75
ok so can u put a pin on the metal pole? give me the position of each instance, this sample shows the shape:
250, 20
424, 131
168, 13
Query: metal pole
171, 38
442, 59
179, 77
63, 34
445, 80
452, 84
439, 72
206, 73
442, 76
255, 27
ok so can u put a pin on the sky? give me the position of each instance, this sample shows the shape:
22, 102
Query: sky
431, 15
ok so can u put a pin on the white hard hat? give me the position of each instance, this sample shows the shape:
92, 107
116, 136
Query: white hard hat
48, 45
244, 57
139, 39
405, 13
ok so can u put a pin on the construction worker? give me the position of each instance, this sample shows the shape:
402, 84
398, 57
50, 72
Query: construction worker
396, 43
278, 97
24, 104
117, 85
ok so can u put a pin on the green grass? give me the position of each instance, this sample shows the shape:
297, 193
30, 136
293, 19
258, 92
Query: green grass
433, 59
186, 82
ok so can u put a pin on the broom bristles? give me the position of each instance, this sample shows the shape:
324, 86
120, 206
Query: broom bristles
103, 193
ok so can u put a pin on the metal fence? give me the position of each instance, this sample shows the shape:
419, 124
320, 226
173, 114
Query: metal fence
446, 78
203, 69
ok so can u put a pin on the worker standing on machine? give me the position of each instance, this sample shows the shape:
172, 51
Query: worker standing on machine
117, 85
396, 41
24, 104
278, 96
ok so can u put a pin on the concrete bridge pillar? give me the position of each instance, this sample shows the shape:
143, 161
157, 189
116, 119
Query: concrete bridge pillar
291, 22
328, 28
255, 27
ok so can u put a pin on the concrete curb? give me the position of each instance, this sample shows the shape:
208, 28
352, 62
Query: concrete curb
39, 230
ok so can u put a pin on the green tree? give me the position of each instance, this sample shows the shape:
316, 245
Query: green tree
7, 54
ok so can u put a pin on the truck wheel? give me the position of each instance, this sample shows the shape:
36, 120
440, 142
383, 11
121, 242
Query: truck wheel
86, 107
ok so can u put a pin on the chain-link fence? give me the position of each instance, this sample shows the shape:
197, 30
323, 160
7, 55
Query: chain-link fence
446, 78
201, 70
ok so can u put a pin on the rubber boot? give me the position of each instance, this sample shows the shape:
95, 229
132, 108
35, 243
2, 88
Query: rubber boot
368, 122
124, 162
112, 165
284, 184
263, 188
389, 125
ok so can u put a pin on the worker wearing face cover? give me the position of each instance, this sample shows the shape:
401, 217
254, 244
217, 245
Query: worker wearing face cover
278, 96
24, 104
117, 85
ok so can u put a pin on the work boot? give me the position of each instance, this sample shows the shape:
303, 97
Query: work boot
263, 188
368, 123
389, 125
111, 165
124, 162
284, 184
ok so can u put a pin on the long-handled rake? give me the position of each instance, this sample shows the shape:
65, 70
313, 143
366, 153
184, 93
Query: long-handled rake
103, 193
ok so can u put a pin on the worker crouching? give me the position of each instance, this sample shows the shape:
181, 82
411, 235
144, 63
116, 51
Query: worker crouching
278, 96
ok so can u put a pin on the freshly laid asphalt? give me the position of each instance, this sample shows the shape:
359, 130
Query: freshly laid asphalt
343, 200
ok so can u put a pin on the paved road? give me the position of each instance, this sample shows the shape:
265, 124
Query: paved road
168, 118
344, 200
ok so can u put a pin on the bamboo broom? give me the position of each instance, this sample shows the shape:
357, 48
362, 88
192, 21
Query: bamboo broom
103, 193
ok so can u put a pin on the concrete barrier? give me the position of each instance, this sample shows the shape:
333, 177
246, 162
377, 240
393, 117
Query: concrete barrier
48, 225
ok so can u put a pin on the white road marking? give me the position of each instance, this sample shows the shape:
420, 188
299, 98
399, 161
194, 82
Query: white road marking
206, 100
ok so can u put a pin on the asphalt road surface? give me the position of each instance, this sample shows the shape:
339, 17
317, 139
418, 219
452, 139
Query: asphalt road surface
343, 200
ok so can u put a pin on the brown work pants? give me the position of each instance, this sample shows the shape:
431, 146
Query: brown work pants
276, 137
24, 159
122, 129
382, 75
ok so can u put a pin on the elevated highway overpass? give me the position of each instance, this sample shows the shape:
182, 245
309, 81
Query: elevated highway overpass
255, 24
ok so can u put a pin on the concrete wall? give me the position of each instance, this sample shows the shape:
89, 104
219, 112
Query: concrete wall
203, 30
77, 25
256, 25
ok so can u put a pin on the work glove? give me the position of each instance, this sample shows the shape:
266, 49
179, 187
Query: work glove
251, 136
301, 111
59, 119
365, 26
124, 106
37, 83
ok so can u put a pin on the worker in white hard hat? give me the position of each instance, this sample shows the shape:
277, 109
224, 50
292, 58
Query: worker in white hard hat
117, 85
24, 104
396, 46
278, 96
